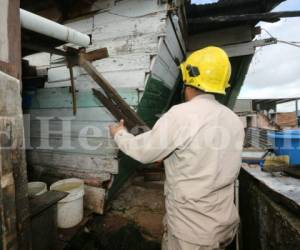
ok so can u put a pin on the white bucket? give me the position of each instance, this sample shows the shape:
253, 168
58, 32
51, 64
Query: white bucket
36, 188
69, 209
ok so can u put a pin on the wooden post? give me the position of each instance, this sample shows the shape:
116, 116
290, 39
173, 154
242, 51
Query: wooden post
111, 99
14, 207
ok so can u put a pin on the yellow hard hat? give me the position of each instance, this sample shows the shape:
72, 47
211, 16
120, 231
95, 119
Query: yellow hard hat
207, 69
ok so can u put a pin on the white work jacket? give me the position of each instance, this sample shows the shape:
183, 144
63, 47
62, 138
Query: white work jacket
200, 142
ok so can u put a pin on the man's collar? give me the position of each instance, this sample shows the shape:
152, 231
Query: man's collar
204, 96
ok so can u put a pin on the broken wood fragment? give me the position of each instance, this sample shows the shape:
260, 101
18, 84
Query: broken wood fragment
94, 198
96, 54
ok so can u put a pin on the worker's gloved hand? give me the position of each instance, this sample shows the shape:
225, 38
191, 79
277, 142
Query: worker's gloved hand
113, 129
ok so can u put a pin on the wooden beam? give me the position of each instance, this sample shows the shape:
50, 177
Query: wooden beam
96, 54
267, 16
112, 108
244, 49
73, 90
111, 98
221, 37
8, 68
41, 48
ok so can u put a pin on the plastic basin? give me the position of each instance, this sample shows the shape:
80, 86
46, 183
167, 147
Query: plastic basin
36, 188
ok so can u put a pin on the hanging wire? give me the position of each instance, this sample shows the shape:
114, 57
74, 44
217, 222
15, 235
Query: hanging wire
292, 43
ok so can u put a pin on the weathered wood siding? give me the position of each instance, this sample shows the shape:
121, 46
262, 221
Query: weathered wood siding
143, 50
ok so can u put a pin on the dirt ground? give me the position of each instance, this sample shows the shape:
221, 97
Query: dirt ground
133, 222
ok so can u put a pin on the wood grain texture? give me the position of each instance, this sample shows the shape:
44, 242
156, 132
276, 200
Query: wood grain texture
94, 199
62, 98
232, 35
7, 194
96, 146
50, 175
93, 114
10, 106
4, 31
90, 165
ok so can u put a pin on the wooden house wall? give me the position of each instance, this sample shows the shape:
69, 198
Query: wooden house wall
15, 228
142, 48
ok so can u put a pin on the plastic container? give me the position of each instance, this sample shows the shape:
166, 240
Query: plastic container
36, 188
69, 209
287, 142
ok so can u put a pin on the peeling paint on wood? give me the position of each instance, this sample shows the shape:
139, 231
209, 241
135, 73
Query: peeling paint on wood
131, 45
90, 165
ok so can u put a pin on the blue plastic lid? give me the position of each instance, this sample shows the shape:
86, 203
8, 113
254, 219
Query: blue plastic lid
285, 134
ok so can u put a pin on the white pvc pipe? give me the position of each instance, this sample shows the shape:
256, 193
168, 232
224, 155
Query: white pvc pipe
52, 29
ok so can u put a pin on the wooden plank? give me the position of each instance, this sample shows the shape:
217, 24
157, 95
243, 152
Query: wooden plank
144, 43
8, 68
127, 26
41, 60
7, 193
111, 93
4, 44
134, 79
128, 62
114, 109
96, 54
94, 114
10, 103
165, 66
61, 73
286, 120
225, 36
41, 202
73, 90
119, 79
243, 49
14, 36
94, 199
174, 28
172, 43
160, 72
96, 146
61, 98
49, 174
141, 8
92, 165
78, 129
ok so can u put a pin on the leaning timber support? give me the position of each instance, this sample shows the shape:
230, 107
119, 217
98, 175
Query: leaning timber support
71, 55
111, 99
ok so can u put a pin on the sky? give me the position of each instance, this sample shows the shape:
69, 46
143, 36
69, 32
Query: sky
275, 69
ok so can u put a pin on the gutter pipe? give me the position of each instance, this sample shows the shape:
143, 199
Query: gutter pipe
52, 29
